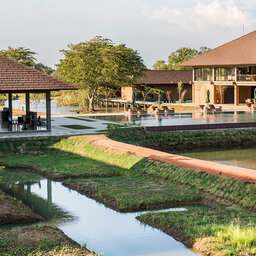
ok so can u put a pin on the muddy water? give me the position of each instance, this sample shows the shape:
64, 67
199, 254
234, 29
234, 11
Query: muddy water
88, 222
237, 157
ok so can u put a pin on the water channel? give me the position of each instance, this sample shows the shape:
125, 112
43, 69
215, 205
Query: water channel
87, 222
242, 157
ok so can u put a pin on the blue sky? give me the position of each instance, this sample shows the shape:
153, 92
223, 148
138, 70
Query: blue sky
153, 27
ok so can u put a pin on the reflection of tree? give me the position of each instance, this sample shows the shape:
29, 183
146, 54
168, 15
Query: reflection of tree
44, 207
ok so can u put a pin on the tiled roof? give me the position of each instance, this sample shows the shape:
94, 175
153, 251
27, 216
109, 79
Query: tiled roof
241, 51
166, 77
17, 77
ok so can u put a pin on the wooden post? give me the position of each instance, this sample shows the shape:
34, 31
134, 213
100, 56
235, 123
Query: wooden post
27, 103
48, 110
10, 104
236, 95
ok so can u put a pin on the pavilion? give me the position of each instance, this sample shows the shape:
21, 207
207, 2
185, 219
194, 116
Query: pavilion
16, 78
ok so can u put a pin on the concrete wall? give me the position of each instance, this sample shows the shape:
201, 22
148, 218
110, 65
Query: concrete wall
126, 92
200, 92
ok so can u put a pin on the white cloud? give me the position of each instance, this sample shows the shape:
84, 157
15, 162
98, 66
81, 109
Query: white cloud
202, 16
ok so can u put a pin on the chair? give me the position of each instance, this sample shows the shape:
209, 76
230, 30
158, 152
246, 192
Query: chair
141, 111
20, 122
167, 110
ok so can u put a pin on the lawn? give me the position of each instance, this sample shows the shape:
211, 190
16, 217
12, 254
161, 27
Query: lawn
212, 229
127, 194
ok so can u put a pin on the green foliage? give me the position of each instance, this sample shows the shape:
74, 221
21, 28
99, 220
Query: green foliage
27, 57
179, 56
111, 127
99, 63
160, 65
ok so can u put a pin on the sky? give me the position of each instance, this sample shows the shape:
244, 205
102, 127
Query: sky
153, 27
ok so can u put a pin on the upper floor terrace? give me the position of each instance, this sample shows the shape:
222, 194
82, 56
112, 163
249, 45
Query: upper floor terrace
226, 75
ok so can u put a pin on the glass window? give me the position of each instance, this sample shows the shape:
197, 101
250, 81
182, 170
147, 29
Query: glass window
225, 74
246, 74
203, 74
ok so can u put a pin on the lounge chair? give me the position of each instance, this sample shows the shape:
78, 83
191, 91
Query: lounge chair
167, 110
141, 111
129, 112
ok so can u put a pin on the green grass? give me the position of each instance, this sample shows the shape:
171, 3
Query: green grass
80, 119
186, 140
38, 241
228, 231
236, 191
77, 127
135, 193
64, 157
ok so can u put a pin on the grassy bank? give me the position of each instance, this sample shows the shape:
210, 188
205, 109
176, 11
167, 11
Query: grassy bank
212, 230
185, 140
39, 240
127, 182
127, 194
59, 158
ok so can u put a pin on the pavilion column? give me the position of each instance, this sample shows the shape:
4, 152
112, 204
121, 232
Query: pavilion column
10, 104
236, 95
48, 110
27, 103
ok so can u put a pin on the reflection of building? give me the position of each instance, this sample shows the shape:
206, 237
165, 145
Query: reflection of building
165, 80
231, 66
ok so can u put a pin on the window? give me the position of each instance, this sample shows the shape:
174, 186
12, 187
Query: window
246, 74
203, 74
225, 74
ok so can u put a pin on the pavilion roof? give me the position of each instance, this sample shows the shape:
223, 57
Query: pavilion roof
165, 77
238, 52
16, 77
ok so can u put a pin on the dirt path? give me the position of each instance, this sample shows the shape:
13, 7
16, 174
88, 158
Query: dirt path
244, 174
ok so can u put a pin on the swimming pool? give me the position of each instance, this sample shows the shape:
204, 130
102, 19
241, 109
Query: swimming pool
182, 118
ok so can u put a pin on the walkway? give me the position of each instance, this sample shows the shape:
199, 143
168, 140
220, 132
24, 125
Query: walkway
187, 162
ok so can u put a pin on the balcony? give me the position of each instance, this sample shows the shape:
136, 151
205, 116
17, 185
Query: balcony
246, 78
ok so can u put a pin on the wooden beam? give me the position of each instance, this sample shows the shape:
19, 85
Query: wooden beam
10, 104
27, 103
48, 110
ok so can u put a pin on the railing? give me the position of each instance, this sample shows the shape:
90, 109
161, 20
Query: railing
246, 78
225, 78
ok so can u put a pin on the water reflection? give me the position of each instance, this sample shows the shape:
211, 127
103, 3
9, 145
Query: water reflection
86, 221
237, 157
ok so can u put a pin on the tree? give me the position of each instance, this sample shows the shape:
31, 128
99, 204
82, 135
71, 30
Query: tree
43, 68
179, 89
93, 64
168, 95
220, 89
160, 65
20, 54
27, 57
3, 98
179, 56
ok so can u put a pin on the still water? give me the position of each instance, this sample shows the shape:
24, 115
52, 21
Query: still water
183, 118
237, 157
87, 222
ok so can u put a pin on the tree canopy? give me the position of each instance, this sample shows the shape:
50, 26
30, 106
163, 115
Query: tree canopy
97, 64
26, 57
179, 56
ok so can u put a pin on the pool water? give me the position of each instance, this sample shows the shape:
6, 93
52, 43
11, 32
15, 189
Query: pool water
236, 157
87, 222
183, 118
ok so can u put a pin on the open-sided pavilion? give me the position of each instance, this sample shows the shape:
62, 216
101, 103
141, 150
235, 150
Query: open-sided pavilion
16, 78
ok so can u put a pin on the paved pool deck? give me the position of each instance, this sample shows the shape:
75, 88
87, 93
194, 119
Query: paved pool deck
244, 174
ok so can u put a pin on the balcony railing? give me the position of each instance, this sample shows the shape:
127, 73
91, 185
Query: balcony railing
225, 78
246, 78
